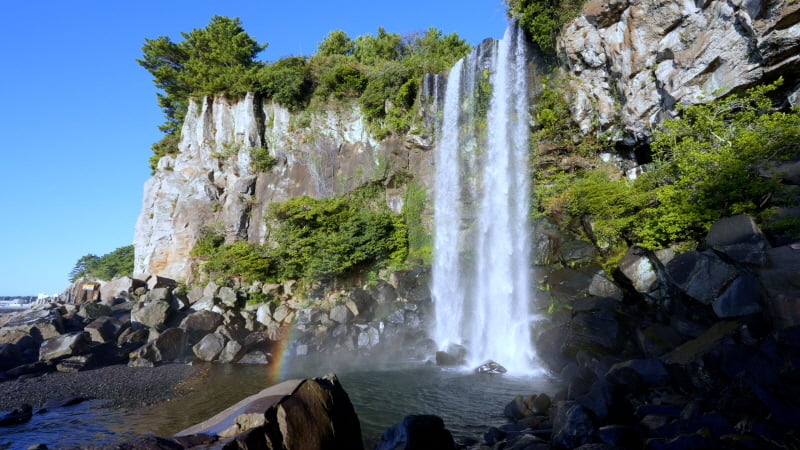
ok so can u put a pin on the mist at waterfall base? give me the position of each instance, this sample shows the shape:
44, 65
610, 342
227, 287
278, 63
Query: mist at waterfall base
481, 282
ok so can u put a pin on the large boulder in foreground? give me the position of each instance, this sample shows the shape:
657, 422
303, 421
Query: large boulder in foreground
417, 432
296, 414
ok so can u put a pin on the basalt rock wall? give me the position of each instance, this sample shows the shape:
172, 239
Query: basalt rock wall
629, 62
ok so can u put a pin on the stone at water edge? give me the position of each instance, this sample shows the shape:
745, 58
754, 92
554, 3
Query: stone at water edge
17, 416
417, 432
491, 367
455, 355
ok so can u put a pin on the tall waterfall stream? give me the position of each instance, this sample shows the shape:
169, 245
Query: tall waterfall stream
481, 282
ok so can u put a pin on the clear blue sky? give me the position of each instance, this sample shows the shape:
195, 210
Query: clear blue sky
78, 114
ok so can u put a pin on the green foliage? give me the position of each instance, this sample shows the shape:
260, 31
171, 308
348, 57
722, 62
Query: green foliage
707, 166
314, 240
542, 19
287, 82
338, 76
322, 239
261, 160
420, 241
118, 263
337, 42
211, 238
372, 50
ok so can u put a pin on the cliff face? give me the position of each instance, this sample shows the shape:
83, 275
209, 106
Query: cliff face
210, 183
631, 61
628, 63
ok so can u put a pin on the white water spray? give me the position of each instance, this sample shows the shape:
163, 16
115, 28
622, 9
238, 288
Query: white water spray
481, 283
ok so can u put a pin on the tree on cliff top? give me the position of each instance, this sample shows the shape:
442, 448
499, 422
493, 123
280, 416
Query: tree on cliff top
109, 266
210, 60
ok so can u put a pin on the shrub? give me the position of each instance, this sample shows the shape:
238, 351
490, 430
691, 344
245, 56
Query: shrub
115, 264
261, 160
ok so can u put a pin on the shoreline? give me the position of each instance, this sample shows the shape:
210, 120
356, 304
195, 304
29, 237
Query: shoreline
117, 385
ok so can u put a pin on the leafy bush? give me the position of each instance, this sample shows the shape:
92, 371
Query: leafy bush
338, 76
337, 42
118, 263
240, 259
707, 166
542, 19
261, 160
287, 82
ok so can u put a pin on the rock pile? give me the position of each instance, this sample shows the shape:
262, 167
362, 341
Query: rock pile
149, 321
693, 350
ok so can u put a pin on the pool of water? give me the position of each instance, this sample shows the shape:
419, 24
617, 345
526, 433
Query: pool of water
468, 402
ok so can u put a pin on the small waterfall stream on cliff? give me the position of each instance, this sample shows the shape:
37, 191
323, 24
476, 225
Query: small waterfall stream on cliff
481, 284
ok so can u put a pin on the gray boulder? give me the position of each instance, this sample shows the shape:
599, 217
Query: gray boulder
231, 352
739, 299
740, 238
701, 275
417, 432
91, 311
782, 285
639, 269
103, 329
572, 425
10, 356
118, 288
168, 346
209, 347
160, 294
229, 297
65, 345
199, 324
156, 281
254, 357
41, 324
341, 314
151, 314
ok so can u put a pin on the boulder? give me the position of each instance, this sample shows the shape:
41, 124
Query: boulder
91, 311
103, 329
782, 285
739, 299
657, 339
41, 324
231, 352
229, 297
341, 314
417, 432
701, 275
455, 355
491, 367
697, 348
151, 314
264, 314
649, 371
76, 363
296, 414
739, 238
572, 425
160, 294
603, 287
119, 288
17, 416
412, 285
254, 357
639, 269
69, 344
283, 314
168, 346
10, 356
156, 281
199, 324
209, 347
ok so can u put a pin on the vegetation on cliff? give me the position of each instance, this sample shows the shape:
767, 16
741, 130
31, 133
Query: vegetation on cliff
117, 263
381, 72
542, 19
710, 162
312, 240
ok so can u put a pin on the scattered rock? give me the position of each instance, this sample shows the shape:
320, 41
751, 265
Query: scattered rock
491, 367
417, 432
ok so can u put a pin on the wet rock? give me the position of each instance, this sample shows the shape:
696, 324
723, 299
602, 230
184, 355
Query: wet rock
151, 314
620, 436
519, 408
572, 425
595, 330
412, 285
639, 269
603, 287
657, 339
417, 432
76, 363
230, 353
739, 238
10, 356
696, 348
65, 345
254, 357
649, 371
491, 367
780, 280
17, 416
454, 356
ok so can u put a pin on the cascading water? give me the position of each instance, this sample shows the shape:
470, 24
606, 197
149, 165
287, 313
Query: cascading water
481, 284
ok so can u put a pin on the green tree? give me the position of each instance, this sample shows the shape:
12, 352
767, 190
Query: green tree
383, 46
109, 266
542, 19
337, 42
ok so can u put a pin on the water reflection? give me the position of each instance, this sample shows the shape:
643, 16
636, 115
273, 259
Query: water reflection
468, 402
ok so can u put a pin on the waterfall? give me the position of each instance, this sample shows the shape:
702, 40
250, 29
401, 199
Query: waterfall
481, 284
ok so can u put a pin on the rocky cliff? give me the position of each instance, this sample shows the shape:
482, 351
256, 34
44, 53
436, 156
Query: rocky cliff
629, 62
212, 183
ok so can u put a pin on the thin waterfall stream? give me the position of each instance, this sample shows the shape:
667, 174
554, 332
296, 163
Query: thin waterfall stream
481, 269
